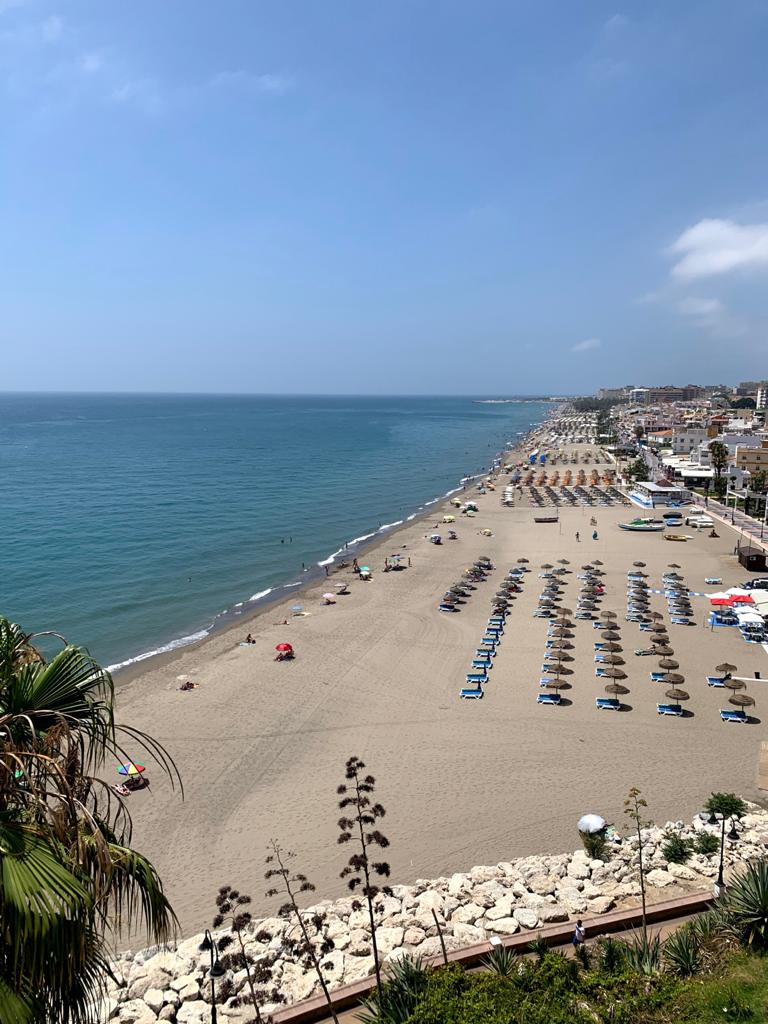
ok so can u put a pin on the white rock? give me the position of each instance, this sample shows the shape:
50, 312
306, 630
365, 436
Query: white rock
430, 901
359, 943
357, 968
683, 872
459, 884
601, 904
413, 936
388, 938
359, 919
503, 908
177, 984
483, 873
467, 914
194, 1012
190, 992
296, 983
550, 914
541, 884
135, 1011
467, 934
659, 878
525, 917
153, 997
504, 926
578, 869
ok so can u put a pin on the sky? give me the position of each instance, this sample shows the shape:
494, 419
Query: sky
416, 196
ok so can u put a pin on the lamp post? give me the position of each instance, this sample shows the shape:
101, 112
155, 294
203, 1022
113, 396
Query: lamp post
733, 836
215, 970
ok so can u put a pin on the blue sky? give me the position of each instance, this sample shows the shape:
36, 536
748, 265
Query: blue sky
422, 196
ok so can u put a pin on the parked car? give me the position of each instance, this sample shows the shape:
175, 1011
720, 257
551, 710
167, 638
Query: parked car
761, 583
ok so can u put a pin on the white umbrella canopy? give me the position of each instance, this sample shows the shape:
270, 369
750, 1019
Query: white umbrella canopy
591, 823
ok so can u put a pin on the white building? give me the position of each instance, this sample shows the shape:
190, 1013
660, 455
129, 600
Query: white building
761, 399
686, 439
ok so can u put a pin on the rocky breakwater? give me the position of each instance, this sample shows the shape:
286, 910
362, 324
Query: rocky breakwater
501, 899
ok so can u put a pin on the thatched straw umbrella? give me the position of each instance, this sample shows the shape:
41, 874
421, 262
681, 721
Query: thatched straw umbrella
616, 689
742, 700
677, 695
662, 649
522, 561
610, 634
735, 684
669, 663
639, 565
615, 673
726, 668
611, 647
673, 677
596, 561
613, 659
608, 615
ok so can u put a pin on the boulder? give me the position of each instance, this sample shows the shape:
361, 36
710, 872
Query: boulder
483, 873
459, 885
168, 1012
388, 938
296, 983
429, 901
572, 900
542, 884
504, 926
386, 906
578, 869
467, 914
359, 943
525, 917
177, 984
135, 1011
154, 999
552, 913
195, 1012
502, 908
154, 978
682, 871
468, 934
357, 968
190, 992
413, 936
601, 904
659, 878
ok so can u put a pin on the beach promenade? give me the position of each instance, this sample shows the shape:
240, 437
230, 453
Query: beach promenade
261, 745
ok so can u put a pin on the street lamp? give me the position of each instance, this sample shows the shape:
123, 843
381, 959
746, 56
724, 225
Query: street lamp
733, 836
215, 970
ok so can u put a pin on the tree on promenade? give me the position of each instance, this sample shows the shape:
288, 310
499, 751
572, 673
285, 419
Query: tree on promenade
68, 874
718, 456
358, 825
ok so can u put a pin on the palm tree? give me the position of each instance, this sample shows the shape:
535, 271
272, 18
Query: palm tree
718, 456
68, 875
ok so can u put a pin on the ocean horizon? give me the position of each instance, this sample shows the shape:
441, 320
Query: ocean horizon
135, 523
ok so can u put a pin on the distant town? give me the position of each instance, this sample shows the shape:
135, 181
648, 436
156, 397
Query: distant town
711, 439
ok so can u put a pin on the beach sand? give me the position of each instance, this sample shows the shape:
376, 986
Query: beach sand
261, 745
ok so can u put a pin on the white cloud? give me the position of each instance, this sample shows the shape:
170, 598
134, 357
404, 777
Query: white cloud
716, 246
275, 84
139, 92
588, 345
693, 305
52, 28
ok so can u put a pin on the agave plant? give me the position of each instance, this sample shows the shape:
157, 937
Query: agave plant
68, 874
539, 947
746, 904
610, 953
683, 952
644, 954
396, 999
502, 961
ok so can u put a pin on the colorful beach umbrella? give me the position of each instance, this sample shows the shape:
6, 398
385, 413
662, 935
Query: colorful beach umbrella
283, 647
130, 769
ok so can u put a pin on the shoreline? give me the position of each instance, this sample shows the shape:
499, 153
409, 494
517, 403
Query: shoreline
272, 598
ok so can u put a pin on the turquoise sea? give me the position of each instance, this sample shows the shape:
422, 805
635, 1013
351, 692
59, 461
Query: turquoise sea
133, 523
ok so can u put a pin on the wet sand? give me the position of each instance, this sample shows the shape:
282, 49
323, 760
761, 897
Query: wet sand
261, 745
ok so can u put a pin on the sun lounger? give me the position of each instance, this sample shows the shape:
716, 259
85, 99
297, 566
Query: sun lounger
607, 704
732, 716
599, 657
467, 693
584, 615
670, 709
645, 627
717, 681
488, 639
490, 651
657, 677
600, 673
482, 663
676, 620
548, 698
448, 608
477, 677
713, 581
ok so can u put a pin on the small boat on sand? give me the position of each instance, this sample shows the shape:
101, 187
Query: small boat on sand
678, 536
643, 526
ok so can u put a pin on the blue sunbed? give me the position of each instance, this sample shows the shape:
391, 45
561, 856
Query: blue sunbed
482, 663
732, 716
584, 615
599, 657
657, 677
717, 681
490, 651
468, 693
477, 677
670, 709
678, 621
487, 639
448, 608
713, 581
600, 673
607, 704
548, 698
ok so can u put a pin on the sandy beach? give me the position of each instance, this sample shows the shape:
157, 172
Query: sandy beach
261, 745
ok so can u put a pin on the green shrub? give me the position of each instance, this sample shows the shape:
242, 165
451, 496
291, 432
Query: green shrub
394, 1002
676, 849
644, 955
595, 845
502, 961
683, 954
610, 954
745, 905
706, 843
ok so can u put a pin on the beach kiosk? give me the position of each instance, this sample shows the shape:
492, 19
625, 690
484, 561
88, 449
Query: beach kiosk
650, 495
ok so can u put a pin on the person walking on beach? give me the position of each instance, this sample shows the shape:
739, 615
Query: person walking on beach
594, 535
577, 536
579, 934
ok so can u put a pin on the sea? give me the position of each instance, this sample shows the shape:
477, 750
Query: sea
135, 524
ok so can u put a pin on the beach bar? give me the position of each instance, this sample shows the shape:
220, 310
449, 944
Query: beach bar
650, 495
